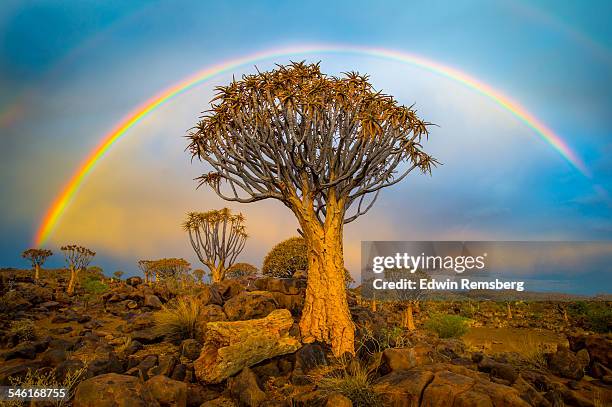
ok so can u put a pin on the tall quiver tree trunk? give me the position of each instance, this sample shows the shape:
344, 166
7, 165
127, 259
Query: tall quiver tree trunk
72, 282
325, 316
36, 272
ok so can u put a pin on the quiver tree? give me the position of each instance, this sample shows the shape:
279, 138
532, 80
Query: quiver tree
217, 237
322, 145
145, 266
170, 269
407, 299
77, 259
199, 274
37, 257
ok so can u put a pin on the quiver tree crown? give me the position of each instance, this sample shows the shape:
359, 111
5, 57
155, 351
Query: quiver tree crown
298, 135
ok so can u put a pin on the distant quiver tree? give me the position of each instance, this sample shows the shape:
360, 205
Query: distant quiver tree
37, 257
217, 237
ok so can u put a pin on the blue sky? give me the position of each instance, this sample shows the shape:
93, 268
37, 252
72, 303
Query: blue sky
69, 71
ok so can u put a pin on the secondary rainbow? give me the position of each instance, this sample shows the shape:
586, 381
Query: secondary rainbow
68, 192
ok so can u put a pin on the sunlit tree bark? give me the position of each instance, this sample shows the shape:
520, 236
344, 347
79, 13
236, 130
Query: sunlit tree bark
324, 146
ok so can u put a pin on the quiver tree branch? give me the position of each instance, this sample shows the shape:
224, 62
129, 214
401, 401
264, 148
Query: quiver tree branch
217, 237
322, 145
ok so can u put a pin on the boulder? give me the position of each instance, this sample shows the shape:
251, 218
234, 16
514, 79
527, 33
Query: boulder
16, 368
453, 389
403, 387
212, 313
245, 389
190, 349
394, 359
249, 305
133, 281
105, 362
290, 286
565, 363
309, 357
228, 288
210, 295
229, 347
113, 390
53, 357
198, 394
167, 392
147, 336
25, 350
165, 366
152, 301
338, 400
598, 346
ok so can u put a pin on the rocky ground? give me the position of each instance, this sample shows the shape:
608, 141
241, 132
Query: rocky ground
247, 350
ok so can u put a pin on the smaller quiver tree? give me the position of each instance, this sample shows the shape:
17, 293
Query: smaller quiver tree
77, 259
199, 274
146, 267
217, 237
407, 299
170, 269
37, 257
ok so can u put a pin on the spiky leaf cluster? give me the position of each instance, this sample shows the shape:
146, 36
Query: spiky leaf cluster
36, 256
296, 132
77, 257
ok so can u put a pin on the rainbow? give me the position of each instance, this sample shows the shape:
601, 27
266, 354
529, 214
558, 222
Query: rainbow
69, 191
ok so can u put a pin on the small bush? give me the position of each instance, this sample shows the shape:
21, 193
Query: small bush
596, 316
24, 329
94, 285
241, 270
286, 258
447, 326
179, 319
351, 379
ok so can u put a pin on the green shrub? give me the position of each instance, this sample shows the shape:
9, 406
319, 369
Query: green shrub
241, 270
179, 319
94, 285
596, 316
286, 258
447, 326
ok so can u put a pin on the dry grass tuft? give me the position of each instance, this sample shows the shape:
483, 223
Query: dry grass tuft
47, 379
349, 378
179, 319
